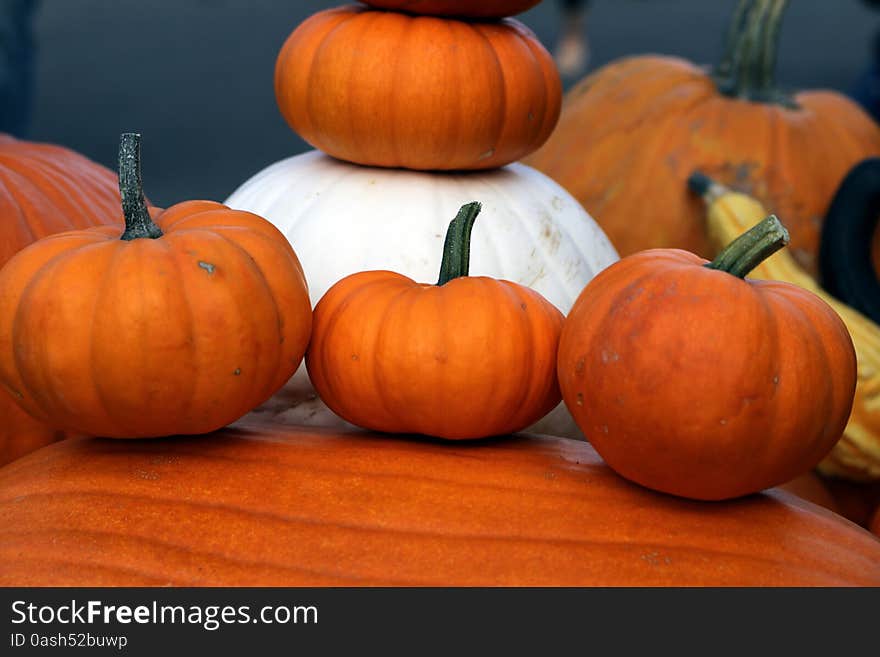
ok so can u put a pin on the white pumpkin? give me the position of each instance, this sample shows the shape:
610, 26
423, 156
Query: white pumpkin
342, 218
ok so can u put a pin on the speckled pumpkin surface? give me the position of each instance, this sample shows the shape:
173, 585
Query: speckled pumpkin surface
267, 504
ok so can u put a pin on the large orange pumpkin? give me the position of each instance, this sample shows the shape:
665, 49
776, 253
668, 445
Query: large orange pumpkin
45, 189
632, 132
692, 380
177, 326
461, 8
469, 357
394, 90
276, 505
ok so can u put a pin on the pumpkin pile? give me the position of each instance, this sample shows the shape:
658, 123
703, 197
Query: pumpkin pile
638, 127
641, 126
699, 387
415, 109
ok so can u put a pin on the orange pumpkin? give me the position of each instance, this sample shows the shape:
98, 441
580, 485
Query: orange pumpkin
461, 8
469, 357
690, 380
262, 504
393, 90
177, 326
636, 129
45, 189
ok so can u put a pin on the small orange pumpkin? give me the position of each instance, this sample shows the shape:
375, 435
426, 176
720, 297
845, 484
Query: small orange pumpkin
388, 89
461, 8
637, 128
690, 380
467, 358
179, 326
45, 189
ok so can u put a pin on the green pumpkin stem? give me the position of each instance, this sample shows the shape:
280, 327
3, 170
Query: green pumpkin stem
751, 248
748, 67
457, 247
138, 222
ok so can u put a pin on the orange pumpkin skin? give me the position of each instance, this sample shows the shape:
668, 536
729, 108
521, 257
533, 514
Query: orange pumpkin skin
152, 337
695, 382
638, 127
417, 92
45, 189
462, 8
259, 504
472, 358
21, 434
811, 487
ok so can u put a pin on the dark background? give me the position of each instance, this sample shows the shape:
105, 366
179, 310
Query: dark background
195, 76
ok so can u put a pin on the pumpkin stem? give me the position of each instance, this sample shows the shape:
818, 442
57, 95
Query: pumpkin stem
747, 68
138, 222
457, 247
751, 248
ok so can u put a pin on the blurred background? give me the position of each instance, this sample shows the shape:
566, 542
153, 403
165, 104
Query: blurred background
195, 76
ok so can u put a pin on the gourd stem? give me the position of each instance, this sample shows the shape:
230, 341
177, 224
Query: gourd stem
747, 67
457, 246
751, 248
138, 222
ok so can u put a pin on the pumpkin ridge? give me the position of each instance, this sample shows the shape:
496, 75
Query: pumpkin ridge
550, 118
527, 336
277, 380
38, 389
671, 550
282, 68
806, 321
352, 139
329, 328
79, 567
167, 546
774, 335
181, 245
443, 533
45, 168
52, 175
201, 457
30, 202
399, 306
7, 191
819, 305
98, 297
498, 127
199, 581
183, 290
394, 139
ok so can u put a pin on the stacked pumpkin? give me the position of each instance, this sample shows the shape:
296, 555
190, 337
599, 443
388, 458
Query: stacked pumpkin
197, 313
418, 108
